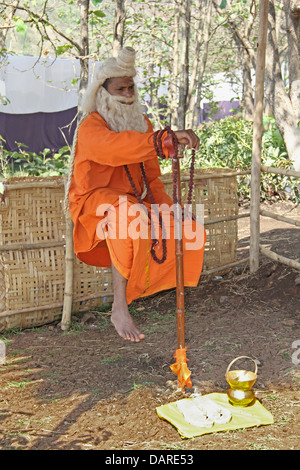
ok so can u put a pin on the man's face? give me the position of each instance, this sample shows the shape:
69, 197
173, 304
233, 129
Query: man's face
121, 86
117, 102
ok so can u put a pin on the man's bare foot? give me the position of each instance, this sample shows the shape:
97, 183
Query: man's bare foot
124, 325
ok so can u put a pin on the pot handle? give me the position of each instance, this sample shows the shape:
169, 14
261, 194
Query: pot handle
242, 357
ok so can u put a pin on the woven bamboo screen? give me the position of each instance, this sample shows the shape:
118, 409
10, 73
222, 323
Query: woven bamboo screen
218, 194
32, 257
32, 246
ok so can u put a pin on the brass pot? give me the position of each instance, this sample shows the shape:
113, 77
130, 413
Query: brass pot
241, 382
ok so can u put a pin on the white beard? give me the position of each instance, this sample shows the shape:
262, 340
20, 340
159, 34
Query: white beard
119, 116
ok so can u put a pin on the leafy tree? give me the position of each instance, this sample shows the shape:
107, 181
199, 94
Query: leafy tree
285, 102
283, 54
181, 45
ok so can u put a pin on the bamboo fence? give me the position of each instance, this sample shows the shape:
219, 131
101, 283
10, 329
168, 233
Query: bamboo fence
41, 280
35, 249
262, 212
216, 190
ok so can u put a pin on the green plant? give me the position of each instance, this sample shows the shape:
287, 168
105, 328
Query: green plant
25, 163
227, 143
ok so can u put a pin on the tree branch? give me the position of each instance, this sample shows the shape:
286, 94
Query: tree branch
237, 33
36, 17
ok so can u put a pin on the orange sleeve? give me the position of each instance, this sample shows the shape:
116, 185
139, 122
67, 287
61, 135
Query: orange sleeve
96, 142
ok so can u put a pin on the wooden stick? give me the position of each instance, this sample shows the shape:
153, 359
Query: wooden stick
179, 259
85, 298
257, 137
280, 171
224, 219
34, 184
282, 259
32, 246
8, 313
69, 263
226, 266
287, 220
211, 175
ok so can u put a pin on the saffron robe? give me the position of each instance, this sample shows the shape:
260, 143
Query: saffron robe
99, 181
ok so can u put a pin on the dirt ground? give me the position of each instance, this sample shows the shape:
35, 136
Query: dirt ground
87, 389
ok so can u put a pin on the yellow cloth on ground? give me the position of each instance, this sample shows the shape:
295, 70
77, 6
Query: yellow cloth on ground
242, 417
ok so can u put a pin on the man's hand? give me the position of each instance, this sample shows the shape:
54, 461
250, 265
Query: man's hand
189, 138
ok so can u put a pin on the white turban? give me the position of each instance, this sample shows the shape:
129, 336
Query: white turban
121, 66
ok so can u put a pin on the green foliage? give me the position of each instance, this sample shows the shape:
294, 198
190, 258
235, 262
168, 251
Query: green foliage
223, 144
20, 26
228, 144
24, 163
62, 49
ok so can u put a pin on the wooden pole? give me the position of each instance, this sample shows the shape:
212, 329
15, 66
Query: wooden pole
280, 171
69, 269
179, 258
282, 218
257, 136
279, 258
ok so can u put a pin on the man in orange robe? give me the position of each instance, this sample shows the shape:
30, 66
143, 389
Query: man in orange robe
112, 149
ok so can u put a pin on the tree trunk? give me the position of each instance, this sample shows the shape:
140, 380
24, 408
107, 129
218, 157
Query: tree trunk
292, 15
185, 17
119, 22
84, 52
9, 14
206, 39
247, 100
280, 102
200, 51
242, 39
153, 78
173, 85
